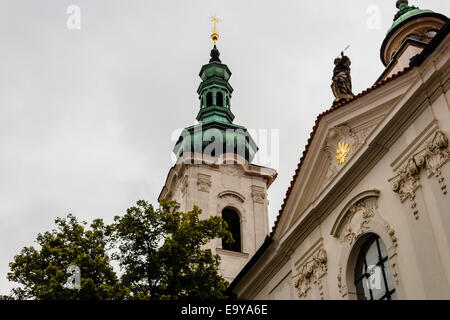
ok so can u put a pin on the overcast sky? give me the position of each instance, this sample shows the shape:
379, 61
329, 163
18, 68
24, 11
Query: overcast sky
86, 116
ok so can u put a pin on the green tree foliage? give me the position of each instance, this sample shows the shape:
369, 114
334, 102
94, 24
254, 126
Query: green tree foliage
161, 252
42, 273
163, 255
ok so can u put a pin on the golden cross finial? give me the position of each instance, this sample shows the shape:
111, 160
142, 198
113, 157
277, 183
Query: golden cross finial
215, 35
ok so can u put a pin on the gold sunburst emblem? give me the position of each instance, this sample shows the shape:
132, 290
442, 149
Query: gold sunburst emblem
342, 152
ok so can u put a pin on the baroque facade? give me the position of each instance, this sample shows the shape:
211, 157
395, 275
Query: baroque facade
367, 214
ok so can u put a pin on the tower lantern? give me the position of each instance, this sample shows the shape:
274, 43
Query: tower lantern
412, 29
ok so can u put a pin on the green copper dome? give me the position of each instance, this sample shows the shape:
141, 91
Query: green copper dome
215, 134
405, 12
410, 22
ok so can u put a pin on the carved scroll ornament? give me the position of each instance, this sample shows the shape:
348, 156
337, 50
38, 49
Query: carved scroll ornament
204, 182
311, 272
366, 208
430, 158
342, 134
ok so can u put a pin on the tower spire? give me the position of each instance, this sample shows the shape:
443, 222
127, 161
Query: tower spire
215, 36
216, 134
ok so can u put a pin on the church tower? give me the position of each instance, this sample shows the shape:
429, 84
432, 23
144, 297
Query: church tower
214, 170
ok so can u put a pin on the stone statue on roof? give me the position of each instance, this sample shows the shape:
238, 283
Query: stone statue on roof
342, 82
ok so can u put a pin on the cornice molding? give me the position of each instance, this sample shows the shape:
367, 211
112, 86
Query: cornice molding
242, 255
233, 163
230, 193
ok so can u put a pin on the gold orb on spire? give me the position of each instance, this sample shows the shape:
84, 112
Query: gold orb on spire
215, 35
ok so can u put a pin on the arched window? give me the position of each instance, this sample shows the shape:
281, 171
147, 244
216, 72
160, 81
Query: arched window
219, 99
234, 226
209, 100
373, 276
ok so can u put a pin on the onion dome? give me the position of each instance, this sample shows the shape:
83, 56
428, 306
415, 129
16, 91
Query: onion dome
216, 134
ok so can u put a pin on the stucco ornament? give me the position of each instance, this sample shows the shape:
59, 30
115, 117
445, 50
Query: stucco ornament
204, 182
341, 144
436, 156
232, 196
311, 272
358, 218
339, 280
431, 158
258, 194
335, 136
406, 182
